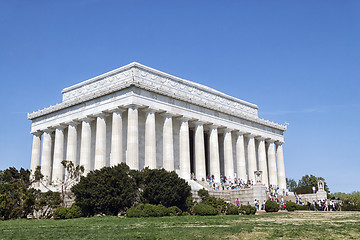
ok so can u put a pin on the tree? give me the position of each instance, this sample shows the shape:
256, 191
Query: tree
18, 199
13, 193
291, 184
106, 191
353, 197
72, 176
166, 188
311, 181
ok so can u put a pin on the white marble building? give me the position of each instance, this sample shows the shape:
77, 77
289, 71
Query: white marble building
144, 117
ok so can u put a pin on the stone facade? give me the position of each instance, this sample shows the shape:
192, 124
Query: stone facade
147, 118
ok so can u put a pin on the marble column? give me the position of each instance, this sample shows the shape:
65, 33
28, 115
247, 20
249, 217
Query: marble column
116, 138
132, 154
100, 142
214, 153
272, 163
71, 149
46, 163
240, 157
184, 149
228, 155
200, 169
168, 143
150, 139
252, 166
35, 152
280, 165
58, 168
262, 161
85, 150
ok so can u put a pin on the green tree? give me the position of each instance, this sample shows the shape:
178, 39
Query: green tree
353, 197
14, 198
106, 191
291, 184
307, 182
162, 187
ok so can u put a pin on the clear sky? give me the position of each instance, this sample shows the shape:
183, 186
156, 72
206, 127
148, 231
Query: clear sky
299, 61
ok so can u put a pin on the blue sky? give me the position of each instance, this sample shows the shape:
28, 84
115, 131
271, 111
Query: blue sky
299, 61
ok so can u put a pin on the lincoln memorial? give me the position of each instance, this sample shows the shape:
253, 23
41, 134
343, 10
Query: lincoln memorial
147, 118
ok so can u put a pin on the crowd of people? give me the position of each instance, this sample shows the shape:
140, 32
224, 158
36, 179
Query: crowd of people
227, 183
324, 205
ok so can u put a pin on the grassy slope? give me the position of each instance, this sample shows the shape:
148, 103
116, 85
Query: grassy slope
303, 225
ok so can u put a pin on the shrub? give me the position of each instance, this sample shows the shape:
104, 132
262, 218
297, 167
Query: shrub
106, 191
162, 187
232, 210
60, 213
174, 211
203, 193
135, 211
247, 210
291, 206
271, 206
149, 210
162, 210
350, 207
204, 210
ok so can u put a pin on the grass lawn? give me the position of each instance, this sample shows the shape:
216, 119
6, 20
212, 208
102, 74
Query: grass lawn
297, 225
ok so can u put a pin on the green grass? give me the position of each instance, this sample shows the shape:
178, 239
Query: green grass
297, 225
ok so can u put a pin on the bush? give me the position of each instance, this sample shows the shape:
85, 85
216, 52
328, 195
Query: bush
204, 210
174, 211
350, 207
304, 208
185, 214
247, 210
203, 193
291, 206
162, 187
271, 206
149, 210
60, 213
74, 212
65, 213
106, 191
232, 210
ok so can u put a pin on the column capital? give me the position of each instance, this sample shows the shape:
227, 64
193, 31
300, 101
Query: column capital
87, 119
184, 119
49, 130
60, 127
227, 130
115, 110
150, 110
260, 138
37, 133
239, 133
212, 126
101, 115
167, 115
73, 123
269, 140
250, 135
134, 106
279, 143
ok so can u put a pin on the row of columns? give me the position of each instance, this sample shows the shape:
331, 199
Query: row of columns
272, 172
